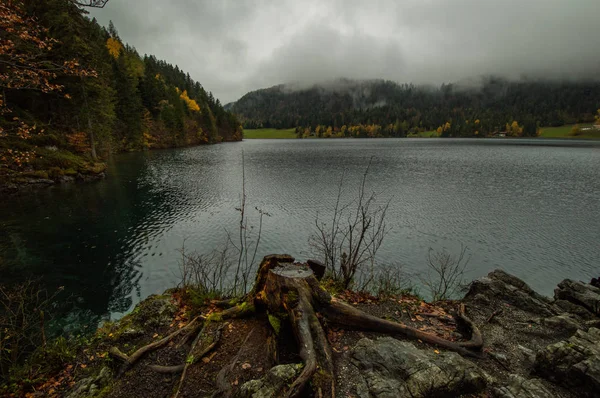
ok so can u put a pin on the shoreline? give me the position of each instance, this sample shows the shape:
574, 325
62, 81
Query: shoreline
15, 182
534, 346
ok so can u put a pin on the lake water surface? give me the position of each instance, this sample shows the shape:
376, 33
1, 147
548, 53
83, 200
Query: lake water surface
529, 207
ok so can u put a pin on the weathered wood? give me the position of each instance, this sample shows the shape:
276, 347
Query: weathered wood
133, 358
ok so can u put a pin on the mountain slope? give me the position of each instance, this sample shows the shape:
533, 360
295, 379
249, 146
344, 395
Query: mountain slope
493, 101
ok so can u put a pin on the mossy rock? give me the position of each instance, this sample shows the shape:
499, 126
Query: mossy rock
55, 172
152, 313
94, 168
36, 174
70, 172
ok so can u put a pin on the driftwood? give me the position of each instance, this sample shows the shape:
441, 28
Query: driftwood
285, 289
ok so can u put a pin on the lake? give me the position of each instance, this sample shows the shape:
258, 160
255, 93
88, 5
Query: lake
530, 207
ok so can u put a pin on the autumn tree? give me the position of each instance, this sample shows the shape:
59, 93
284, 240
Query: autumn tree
26, 64
513, 129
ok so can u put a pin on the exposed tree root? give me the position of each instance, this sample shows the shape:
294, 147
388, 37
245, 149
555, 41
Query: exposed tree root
282, 287
223, 386
467, 326
206, 342
133, 358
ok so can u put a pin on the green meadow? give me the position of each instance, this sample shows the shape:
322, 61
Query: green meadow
269, 133
563, 132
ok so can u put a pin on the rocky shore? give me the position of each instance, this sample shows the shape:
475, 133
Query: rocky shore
534, 346
12, 182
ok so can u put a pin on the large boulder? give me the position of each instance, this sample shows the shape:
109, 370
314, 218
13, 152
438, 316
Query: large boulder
573, 363
579, 293
393, 368
521, 387
502, 287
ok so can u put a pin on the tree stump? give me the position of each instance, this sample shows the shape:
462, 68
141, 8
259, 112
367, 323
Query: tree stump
284, 286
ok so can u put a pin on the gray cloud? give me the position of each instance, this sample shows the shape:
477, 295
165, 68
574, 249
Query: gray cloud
235, 46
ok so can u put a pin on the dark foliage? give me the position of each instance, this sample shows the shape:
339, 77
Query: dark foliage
406, 108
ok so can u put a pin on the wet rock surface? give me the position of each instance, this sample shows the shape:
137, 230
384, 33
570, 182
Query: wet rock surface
573, 363
393, 368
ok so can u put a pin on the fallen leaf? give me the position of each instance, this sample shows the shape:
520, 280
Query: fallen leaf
235, 383
155, 335
436, 351
246, 366
206, 359
83, 366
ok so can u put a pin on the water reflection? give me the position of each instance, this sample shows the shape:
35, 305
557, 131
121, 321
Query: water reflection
518, 205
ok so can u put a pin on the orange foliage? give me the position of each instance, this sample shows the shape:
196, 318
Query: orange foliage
13, 157
79, 142
24, 49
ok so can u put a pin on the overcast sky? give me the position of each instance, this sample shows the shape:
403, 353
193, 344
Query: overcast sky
232, 47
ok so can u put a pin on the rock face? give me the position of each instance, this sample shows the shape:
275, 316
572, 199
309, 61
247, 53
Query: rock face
392, 368
574, 363
581, 294
507, 288
91, 386
272, 384
520, 387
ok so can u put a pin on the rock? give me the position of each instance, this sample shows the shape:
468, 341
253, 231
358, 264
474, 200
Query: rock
528, 354
520, 387
572, 308
582, 294
500, 286
565, 323
272, 384
155, 311
500, 357
393, 368
574, 363
317, 267
91, 386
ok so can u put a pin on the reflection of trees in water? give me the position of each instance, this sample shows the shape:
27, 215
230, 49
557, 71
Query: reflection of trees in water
84, 237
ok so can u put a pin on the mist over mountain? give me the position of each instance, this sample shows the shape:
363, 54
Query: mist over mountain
494, 101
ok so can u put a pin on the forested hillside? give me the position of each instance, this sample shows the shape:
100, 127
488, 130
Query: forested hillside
385, 108
72, 91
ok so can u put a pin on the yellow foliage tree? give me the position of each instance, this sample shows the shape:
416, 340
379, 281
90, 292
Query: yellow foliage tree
514, 130
114, 47
191, 104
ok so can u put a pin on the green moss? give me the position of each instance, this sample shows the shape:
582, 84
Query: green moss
61, 159
36, 174
275, 323
214, 317
55, 172
331, 285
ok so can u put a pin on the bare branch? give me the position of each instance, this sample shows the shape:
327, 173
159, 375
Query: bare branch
90, 3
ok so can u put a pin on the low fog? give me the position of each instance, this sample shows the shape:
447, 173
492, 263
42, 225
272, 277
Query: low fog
232, 47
